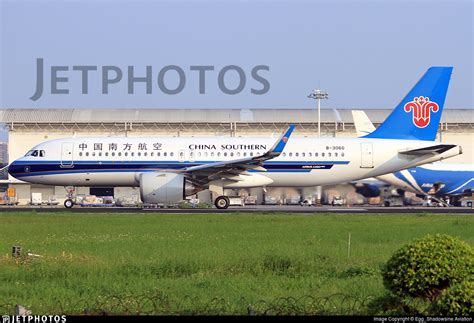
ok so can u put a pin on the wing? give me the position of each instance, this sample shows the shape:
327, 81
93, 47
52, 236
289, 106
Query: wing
230, 169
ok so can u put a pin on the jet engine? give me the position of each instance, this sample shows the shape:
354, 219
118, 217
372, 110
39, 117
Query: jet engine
165, 188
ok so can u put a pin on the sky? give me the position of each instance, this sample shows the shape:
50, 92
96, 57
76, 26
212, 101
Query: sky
365, 54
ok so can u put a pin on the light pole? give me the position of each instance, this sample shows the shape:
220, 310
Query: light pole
319, 95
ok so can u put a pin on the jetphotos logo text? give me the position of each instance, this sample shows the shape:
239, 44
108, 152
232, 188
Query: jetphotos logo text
150, 79
422, 108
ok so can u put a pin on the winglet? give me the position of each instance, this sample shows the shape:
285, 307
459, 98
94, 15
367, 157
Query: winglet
280, 144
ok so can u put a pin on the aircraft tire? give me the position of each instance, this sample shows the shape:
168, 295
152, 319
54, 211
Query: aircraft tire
222, 202
68, 204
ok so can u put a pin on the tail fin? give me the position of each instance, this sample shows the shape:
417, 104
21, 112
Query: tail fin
417, 115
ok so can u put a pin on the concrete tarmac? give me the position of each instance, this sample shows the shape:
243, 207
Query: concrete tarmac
248, 209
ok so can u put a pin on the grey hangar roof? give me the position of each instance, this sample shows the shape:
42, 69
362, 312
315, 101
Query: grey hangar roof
260, 115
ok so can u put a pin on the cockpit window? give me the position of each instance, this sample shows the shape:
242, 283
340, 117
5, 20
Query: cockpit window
36, 153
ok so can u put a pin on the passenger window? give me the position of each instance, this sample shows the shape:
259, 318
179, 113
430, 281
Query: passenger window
119, 154
165, 154
205, 154
151, 154
309, 154
322, 154
231, 154
335, 154
106, 154
290, 154
158, 154
251, 154
145, 153
100, 154
225, 154
342, 154
125, 154
296, 154
212, 154
245, 154
113, 154
284, 154
218, 154
302, 154
171, 154
316, 155
329, 154
139, 154
80, 153
87, 153
199, 154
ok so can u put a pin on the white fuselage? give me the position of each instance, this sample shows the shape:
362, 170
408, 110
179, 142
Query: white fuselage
305, 161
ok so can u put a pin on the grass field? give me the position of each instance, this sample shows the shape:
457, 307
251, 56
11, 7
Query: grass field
205, 264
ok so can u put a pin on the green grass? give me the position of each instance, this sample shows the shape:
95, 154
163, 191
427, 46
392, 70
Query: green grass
209, 263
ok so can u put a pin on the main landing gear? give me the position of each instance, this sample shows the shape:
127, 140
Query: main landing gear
222, 202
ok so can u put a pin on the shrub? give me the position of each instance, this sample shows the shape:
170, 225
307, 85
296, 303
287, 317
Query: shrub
458, 300
427, 266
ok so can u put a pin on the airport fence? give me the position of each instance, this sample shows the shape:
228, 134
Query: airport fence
160, 304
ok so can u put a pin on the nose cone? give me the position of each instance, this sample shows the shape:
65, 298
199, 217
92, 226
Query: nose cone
14, 169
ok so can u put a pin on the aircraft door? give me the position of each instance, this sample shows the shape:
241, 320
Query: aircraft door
66, 154
367, 155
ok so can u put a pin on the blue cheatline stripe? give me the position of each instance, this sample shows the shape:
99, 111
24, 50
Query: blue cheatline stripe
140, 171
31, 162
53, 167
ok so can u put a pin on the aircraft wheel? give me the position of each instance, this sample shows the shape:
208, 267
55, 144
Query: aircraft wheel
68, 203
222, 202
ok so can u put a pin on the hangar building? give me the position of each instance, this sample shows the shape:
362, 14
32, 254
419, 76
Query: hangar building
28, 127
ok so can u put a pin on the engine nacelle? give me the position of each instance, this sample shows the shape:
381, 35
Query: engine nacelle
165, 188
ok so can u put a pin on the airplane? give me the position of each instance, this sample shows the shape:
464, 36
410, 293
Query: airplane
167, 170
440, 180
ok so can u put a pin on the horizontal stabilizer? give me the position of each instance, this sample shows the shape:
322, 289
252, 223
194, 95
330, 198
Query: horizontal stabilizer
437, 149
